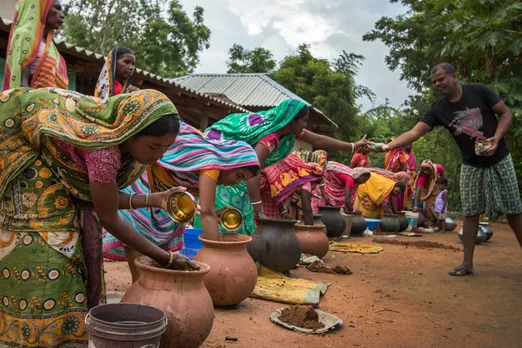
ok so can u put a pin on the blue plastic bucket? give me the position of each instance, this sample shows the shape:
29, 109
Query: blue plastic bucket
192, 244
372, 224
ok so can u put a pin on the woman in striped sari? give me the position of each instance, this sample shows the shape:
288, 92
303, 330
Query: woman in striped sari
33, 59
197, 163
63, 159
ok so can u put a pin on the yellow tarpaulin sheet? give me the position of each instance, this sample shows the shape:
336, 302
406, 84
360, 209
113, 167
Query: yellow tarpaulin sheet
276, 287
356, 248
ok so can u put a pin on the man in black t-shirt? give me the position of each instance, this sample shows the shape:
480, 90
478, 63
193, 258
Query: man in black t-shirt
488, 183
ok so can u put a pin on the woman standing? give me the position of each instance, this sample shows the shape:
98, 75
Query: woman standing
340, 185
194, 162
63, 159
32, 57
272, 134
361, 159
412, 167
116, 75
427, 190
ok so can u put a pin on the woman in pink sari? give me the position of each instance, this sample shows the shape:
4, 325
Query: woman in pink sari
411, 161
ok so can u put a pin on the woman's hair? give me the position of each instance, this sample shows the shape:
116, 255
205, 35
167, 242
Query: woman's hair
166, 124
442, 180
121, 50
253, 169
302, 113
401, 185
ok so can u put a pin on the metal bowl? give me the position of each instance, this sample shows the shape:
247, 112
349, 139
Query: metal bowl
181, 207
486, 228
481, 236
231, 219
450, 224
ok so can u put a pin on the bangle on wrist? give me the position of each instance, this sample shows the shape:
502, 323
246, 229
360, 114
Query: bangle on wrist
256, 203
130, 201
171, 260
353, 147
147, 201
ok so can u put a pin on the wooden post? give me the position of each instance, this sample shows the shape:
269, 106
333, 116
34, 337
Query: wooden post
203, 121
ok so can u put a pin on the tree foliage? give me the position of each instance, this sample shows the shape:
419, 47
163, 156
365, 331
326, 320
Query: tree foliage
481, 38
242, 60
164, 38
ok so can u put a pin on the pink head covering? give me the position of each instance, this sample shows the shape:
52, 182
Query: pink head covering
440, 169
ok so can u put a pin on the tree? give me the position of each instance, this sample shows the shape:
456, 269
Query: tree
258, 60
482, 39
164, 38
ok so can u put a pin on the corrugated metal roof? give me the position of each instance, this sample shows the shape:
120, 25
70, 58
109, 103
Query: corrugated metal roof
62, 45
247, 90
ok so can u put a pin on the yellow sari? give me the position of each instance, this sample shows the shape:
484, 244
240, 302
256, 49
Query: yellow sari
372, 194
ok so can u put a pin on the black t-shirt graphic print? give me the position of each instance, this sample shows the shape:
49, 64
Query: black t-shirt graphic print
469, 119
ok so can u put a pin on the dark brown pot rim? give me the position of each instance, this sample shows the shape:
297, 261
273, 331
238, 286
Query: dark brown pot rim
353, 213
390, 215
204, 268
329, 207
309, 228
318, 216
242, 239
287, 221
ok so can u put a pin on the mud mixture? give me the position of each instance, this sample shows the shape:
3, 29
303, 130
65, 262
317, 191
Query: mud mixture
421, 244
320, 267
302, 316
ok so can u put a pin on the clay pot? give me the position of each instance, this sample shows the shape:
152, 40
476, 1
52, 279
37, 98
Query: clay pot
317, 220
389, 223
486, 228
275, 245
183, 298
233, 273
481, 236
358, 224
403, 222
333, 220
450, 225
312, 239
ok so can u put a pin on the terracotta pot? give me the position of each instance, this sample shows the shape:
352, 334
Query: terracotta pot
183, 298
389, 223
403, 222
312, 239
275, 245
358, 224
333, 220
233, 273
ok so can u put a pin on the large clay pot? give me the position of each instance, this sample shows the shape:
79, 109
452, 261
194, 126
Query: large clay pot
403, 222
312, 239
333, 220
450, 225
481, 236
389, 223
233, 273
183, 298
486, 228
358, 224
275, 245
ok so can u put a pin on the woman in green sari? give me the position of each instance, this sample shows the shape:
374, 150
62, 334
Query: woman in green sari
63, 159
272, 134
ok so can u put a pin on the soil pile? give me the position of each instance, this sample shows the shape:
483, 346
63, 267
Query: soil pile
302, 316
421, 244
320, 267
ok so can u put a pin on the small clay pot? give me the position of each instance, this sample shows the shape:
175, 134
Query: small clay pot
275, 245
358, 224
233, 273
312, 239
183, 298
403, 221
389, 223
317, 220
333, 220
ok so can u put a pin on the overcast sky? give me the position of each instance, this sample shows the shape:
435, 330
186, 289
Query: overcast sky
330, 26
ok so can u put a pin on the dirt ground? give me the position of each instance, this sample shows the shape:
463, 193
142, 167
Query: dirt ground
402, 297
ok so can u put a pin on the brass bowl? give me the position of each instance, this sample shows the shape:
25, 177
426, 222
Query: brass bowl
231, 219
181, 207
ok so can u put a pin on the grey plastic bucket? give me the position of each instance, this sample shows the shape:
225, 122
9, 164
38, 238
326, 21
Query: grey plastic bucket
125, 325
